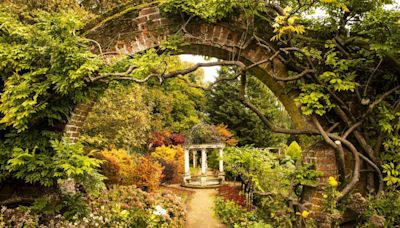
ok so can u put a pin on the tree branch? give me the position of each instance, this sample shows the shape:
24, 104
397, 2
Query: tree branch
379, 100
163, 76
208, 88
263, 118
296, 77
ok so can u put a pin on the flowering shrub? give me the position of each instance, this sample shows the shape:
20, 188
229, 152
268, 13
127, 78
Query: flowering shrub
330, 213
382, 211
123, 206
120, 206
232, 194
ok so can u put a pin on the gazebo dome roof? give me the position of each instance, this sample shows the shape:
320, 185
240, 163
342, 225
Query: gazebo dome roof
203, 134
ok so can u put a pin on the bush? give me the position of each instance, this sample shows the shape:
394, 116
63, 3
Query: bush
63, 162
381, 211
213, 159
120, 206
165, 138
234, 215
274, 176
226, 135
170, 175
118, 166
172, 159
294, 151
232, 194
124, 169
148, 173
69, 206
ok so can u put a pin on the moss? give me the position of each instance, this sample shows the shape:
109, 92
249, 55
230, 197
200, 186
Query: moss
114, 14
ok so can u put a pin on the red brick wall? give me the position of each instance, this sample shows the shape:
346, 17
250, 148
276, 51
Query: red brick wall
323, 157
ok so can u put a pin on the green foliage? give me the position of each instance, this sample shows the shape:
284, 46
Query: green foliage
385, 208
272, 174
313, 99
68, 161
120, 118
389, 123
392, 173
211, 10
224, 107
213, 159
175, 104
294, 151
43, 67
126, 115
234, 215
72, 207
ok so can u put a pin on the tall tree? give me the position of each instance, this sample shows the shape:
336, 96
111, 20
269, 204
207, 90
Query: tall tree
126, 115
223, 106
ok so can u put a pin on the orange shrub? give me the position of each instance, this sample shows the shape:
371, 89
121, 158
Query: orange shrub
148, 173
118, 166
123, 169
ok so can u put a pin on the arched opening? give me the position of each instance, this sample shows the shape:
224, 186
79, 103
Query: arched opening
147, 28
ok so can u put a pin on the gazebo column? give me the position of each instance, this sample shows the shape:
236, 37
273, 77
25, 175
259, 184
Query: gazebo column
221, 173
186, 176
194, 158
203, 167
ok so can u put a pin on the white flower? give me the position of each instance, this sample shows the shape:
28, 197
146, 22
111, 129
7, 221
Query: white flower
160, 211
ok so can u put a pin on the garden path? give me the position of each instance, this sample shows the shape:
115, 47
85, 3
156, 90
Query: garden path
200, 210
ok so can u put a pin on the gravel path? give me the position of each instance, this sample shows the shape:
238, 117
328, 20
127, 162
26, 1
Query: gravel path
200, 211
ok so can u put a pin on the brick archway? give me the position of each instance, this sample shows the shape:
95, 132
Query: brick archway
136, 30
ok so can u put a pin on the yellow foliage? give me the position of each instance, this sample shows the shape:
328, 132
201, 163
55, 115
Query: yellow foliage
168, 153
118, 166
227, 136
174, 156
286, 24
121, 168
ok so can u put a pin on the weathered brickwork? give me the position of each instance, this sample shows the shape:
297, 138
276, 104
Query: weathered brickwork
324, 159
76, 120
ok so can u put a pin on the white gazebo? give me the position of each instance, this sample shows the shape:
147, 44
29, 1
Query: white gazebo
203, 139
